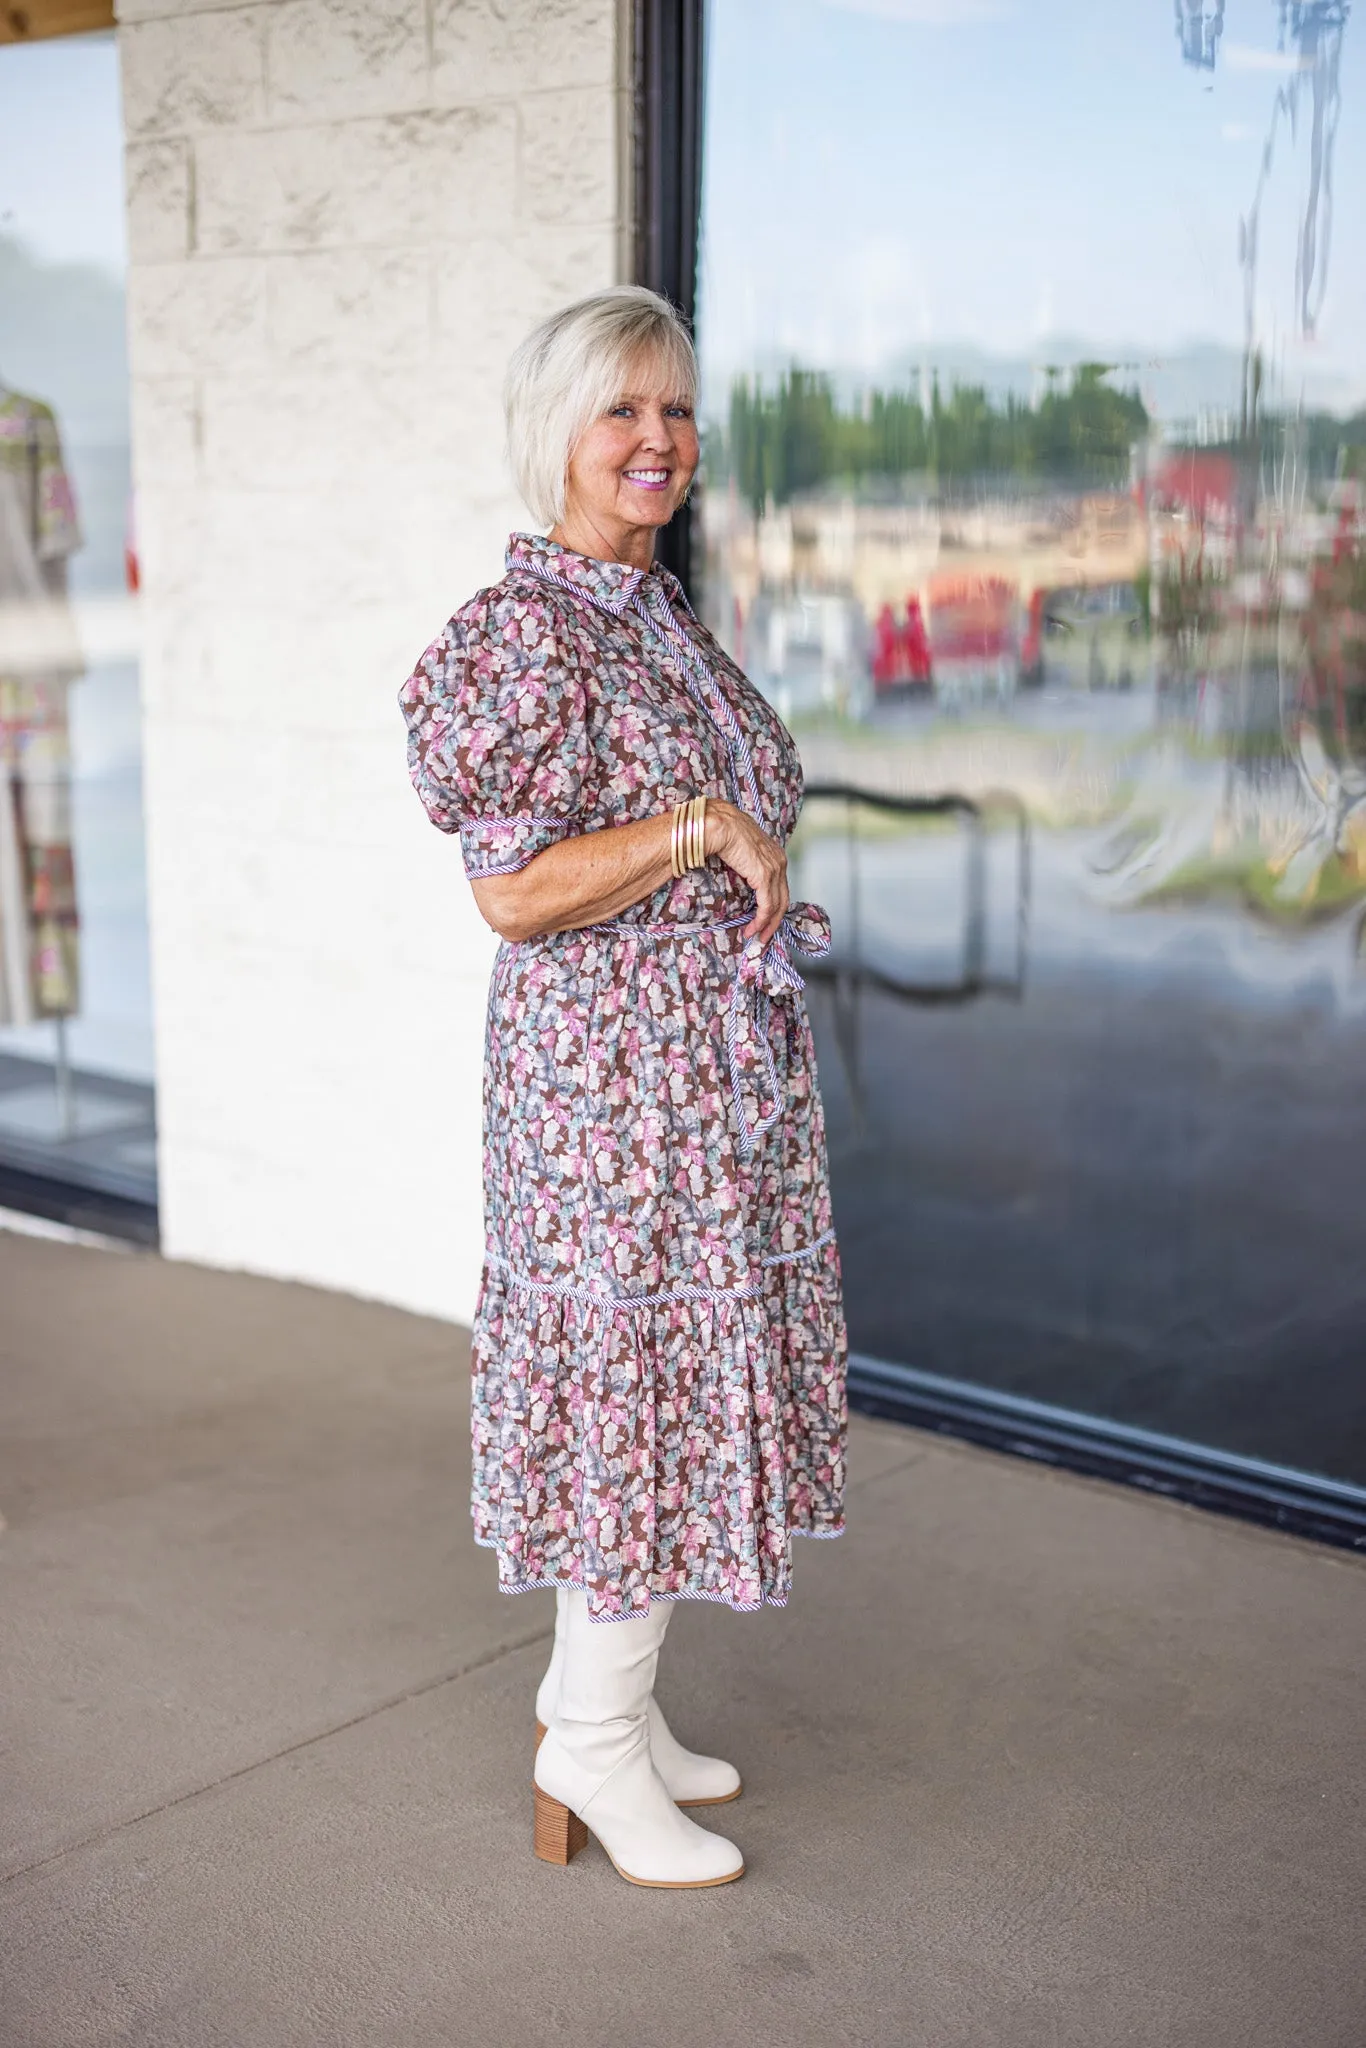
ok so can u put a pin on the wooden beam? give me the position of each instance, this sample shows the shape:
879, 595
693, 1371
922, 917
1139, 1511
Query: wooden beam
32, 21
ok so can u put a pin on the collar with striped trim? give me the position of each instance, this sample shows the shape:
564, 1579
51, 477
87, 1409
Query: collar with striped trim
613, 585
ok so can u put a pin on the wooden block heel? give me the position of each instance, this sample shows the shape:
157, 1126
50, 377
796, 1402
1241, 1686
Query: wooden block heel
559, 1834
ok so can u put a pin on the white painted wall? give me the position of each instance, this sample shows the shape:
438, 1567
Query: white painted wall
343, 214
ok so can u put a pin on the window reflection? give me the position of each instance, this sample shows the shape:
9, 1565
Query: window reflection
1036, 501
75, 1011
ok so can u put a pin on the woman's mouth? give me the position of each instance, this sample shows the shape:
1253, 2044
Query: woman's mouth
648, 479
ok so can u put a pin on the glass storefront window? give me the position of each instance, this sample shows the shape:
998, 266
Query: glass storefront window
75, 1009
1034, 348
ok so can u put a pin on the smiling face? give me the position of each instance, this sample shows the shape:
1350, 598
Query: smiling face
630, 469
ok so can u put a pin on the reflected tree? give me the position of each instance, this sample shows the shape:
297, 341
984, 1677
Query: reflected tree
796, 436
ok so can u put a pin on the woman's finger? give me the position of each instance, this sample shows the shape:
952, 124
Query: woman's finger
775, 901
758, 926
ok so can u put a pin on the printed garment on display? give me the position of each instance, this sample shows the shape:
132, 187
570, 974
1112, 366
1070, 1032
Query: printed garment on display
39, 660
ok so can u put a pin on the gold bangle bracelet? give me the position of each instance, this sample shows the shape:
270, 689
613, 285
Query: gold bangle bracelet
688, 837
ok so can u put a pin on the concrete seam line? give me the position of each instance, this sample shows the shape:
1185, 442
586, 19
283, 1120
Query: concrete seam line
862, 1485
400, 1699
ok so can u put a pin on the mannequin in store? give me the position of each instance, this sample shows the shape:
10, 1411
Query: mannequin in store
659, 1346
39, 660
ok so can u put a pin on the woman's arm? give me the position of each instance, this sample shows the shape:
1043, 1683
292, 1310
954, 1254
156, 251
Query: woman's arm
596, 875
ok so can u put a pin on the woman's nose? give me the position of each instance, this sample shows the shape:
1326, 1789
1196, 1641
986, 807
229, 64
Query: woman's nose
659, 433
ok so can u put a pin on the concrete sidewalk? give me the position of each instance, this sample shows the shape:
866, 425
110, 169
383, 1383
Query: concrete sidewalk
1028, 1761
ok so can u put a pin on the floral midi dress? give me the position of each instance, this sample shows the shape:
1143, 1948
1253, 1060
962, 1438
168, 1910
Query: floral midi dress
659, 1342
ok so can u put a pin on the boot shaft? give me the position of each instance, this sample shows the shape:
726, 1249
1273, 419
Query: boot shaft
607, 1672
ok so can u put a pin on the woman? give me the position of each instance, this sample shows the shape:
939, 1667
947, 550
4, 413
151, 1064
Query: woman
659, 1342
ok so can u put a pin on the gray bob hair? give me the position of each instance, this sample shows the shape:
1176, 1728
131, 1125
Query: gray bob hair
572, 368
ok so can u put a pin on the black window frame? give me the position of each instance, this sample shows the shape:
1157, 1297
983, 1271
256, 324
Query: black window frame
668, 72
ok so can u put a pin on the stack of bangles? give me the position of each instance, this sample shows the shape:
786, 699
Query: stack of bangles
688, 837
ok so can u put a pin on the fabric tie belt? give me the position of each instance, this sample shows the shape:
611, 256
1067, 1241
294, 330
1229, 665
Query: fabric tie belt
761, 975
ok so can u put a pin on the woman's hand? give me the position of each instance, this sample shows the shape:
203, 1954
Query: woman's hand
746, 848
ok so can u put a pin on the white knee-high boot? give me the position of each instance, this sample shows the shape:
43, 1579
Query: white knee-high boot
593, 1770
692, 1779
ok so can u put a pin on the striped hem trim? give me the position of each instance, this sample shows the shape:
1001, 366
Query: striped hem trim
512, 821
555, 1584
565, 1290
506, 867
484, 843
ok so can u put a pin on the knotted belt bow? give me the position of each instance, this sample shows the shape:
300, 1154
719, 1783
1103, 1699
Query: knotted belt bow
761, 977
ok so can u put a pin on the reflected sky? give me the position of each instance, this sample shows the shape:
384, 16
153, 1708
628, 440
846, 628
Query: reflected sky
886, 180
61, 150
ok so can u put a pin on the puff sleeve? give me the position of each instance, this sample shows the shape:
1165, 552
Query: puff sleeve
498, 745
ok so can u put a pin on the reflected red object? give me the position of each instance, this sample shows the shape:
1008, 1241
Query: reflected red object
1031, 651
901, 652
131, 571
972, 617
917, 641
1202, 483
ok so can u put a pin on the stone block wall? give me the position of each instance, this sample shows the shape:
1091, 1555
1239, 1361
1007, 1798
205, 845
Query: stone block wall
342, 214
